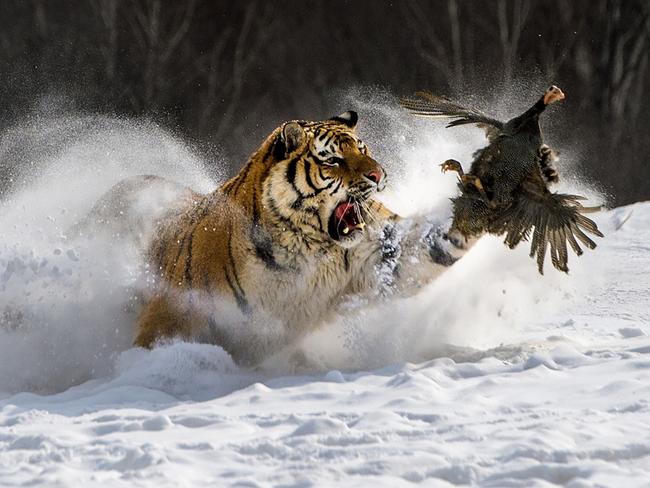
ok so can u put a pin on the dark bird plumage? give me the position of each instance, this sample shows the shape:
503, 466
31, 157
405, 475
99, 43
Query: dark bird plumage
506, 190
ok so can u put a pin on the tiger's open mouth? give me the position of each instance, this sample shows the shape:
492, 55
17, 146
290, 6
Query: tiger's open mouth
346, 220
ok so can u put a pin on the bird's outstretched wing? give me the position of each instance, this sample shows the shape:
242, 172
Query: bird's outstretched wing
428, 105
550, 220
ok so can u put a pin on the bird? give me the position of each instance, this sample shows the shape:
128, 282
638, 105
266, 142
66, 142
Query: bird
507, 190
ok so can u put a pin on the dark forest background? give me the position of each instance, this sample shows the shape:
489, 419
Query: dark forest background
225, 73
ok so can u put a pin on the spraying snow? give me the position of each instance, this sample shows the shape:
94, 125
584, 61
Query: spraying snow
66, 302
69, 302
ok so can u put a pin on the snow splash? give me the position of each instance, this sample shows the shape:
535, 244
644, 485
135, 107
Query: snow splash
66, 303
68, 306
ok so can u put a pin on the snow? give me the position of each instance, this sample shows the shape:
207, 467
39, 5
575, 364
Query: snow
490, 376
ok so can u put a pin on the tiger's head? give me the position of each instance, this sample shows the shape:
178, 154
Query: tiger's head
322, 176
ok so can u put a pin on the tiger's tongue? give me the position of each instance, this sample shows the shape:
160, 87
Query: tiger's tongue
347, 217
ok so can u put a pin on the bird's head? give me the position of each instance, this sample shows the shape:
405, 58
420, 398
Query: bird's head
552, 95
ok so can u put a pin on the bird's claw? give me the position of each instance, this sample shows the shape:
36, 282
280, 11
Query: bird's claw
451, 165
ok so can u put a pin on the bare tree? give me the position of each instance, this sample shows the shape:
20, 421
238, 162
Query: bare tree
511, 28
158, 36
623, 63
255, 30
107, 10
429, 40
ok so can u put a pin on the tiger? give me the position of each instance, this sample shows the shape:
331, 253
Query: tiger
269, 255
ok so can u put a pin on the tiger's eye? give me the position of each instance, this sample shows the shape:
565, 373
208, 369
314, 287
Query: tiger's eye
332, 162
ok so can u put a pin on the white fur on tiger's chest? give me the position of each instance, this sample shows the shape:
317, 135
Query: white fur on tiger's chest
305, 294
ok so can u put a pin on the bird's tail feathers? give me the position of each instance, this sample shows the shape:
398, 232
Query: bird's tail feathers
549, 223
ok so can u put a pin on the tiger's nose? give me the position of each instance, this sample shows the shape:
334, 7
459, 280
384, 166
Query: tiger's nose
375, 176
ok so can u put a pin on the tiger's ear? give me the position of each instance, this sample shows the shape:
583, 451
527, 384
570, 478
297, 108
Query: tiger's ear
349, 118
292, 136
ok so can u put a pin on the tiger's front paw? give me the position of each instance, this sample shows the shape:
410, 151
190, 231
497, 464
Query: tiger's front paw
438, 249
391, 248
456, 238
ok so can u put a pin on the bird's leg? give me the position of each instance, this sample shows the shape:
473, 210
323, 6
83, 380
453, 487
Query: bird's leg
452, 165
465, 179
476, 182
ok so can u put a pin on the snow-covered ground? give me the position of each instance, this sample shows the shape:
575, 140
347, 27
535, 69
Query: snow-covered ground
491, 376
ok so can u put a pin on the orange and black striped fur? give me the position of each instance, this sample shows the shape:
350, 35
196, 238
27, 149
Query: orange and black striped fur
270, 254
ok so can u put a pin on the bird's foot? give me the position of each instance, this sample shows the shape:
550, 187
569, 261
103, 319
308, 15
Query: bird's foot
451, 165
